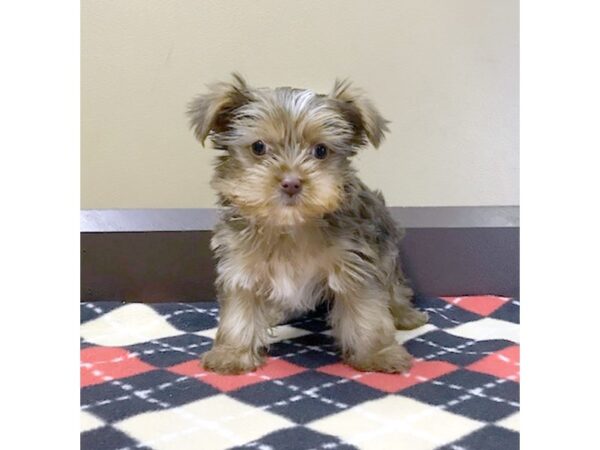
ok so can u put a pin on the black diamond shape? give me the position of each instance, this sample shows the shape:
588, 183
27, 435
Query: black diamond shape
509, 312
311, 379
112, 403
293, 405
284, 398
340, 390
263, 394
297, 438
167, 352
189, 317
297, 395
177, 389
106, 438
315, 324
312, 351
350, 392
439, 345
305, 409
444, 315
488, 438
452, 391
149, 391
315, 321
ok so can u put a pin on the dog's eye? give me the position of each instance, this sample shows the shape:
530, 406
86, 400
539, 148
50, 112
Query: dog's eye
259, 148
320, 151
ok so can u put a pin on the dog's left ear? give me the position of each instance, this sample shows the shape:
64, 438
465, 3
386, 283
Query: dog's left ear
360, 112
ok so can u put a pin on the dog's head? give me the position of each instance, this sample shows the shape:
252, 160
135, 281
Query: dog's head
287, 150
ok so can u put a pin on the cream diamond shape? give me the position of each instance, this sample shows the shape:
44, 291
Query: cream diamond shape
394, 422
213, 423
511, 422
406, 335
487, 328
127, 325
89, 422
210, 333
284, 332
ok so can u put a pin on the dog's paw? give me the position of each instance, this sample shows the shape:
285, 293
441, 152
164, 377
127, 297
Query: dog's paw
231, 361
391, 359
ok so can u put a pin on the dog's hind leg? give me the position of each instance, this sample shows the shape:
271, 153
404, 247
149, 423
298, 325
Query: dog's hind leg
406, 316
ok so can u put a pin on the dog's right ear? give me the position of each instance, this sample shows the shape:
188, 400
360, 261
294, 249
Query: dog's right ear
213, 111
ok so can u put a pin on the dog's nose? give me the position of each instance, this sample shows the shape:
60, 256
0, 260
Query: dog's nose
291, 185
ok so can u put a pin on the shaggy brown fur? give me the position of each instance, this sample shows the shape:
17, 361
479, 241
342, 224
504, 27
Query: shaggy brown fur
281, 254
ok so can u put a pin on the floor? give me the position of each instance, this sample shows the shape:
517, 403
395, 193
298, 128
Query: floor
142, 386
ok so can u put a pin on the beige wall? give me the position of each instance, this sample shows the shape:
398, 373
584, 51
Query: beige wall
445, 72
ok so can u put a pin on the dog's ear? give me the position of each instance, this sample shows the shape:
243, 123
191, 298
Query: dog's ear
360, 112
213, 111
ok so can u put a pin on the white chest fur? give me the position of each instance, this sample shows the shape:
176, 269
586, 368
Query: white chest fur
296, 278
288, 269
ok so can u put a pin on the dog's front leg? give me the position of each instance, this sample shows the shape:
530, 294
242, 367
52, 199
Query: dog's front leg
364, 327
241, 337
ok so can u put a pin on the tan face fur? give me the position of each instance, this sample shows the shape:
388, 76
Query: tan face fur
290, 123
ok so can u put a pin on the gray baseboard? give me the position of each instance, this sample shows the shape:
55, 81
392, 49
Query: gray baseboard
201, 219
163, 255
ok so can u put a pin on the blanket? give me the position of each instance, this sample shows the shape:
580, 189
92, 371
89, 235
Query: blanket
143, 387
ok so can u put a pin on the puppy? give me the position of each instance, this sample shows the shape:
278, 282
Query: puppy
298, 227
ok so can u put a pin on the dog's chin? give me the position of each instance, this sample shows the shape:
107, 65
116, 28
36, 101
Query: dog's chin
289, 201
288, 212
285, 211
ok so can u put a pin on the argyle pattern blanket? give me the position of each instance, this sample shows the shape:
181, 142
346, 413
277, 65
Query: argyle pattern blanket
142, 386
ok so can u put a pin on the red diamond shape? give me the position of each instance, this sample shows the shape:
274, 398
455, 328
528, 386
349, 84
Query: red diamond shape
421, 372
501, 364
101, 364
274, 369
484, 305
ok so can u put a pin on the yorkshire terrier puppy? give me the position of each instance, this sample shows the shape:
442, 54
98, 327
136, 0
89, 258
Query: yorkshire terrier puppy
298, 227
